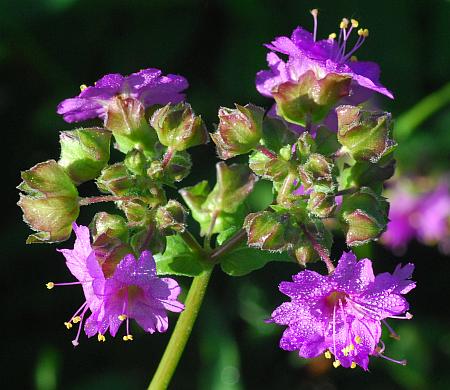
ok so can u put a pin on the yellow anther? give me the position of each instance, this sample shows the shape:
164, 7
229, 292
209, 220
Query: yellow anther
345, 351
353, 58
353, 365
314, 12
130, 337
363, 32
332, 36
125, 338
327, 355
344, 23
68, 325
358, 340
122, 317
83, 87
101, 338
50, 285
351, 347
354, 22
76, 319
336, 363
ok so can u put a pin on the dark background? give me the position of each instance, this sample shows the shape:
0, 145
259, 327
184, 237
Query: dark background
49, 47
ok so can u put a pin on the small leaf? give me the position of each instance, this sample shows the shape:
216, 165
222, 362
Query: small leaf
244, 260
178, 259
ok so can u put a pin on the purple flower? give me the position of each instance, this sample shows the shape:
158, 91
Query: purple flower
148, 86
323, 57
423, 215
83, 264
341, 313
133, 292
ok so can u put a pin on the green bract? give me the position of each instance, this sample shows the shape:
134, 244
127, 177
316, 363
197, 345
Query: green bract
50, 205
84, 153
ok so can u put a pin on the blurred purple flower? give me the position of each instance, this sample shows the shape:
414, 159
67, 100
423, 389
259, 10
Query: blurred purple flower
341, 313
133, 292
418, 213
148, 86
322, 57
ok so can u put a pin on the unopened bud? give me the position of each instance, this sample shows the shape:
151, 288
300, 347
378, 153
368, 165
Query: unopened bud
178, 127
171, 217
365, 134
239, 130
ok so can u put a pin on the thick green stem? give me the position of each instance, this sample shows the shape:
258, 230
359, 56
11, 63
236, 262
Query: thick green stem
415, 116
181, 333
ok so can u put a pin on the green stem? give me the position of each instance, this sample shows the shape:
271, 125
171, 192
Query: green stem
230, 244
191, 242
181, 333
416, 115
108, 198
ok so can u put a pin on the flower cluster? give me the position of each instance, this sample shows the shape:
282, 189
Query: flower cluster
422, 214
320, 179
341, 314
133, 291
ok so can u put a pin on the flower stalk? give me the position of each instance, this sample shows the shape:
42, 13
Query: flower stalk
181, 333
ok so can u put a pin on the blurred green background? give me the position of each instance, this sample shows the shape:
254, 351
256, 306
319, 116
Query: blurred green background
49, 47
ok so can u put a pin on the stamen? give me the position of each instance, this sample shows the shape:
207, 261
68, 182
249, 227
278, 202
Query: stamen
353, 365
392, 332
76, 319
336, 363
358, 340
101, 338
314, 12
402, 362
122, 317
128, 337
363, 32
344, 23
83, 87
68, 325
353, 58
334, 333
327, 355
50, 285
354, 22
332, 36
75, 342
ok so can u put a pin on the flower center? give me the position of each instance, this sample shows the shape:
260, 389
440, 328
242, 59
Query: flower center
332, 299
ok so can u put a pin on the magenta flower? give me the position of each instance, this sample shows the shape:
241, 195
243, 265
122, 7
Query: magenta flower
323, 57
341, 313
148, 86
423, 215
133, 292
83, 264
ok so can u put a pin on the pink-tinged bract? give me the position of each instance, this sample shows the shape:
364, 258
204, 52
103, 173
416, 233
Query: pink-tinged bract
134, 292
149, 86
341, 313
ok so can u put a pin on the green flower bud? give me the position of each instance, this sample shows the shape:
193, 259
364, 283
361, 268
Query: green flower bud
126, 119
239, 130
305, 253
365, 134
321, 205
309, 97
136, 162
116, 179
84, 153
364, 215
178, 128
305, 146
112, 225
178, 167
171, 217
269, 231
317, 172
50, 205
148, 237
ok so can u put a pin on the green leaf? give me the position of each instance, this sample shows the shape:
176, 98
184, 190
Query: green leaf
244, 260
178, 259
